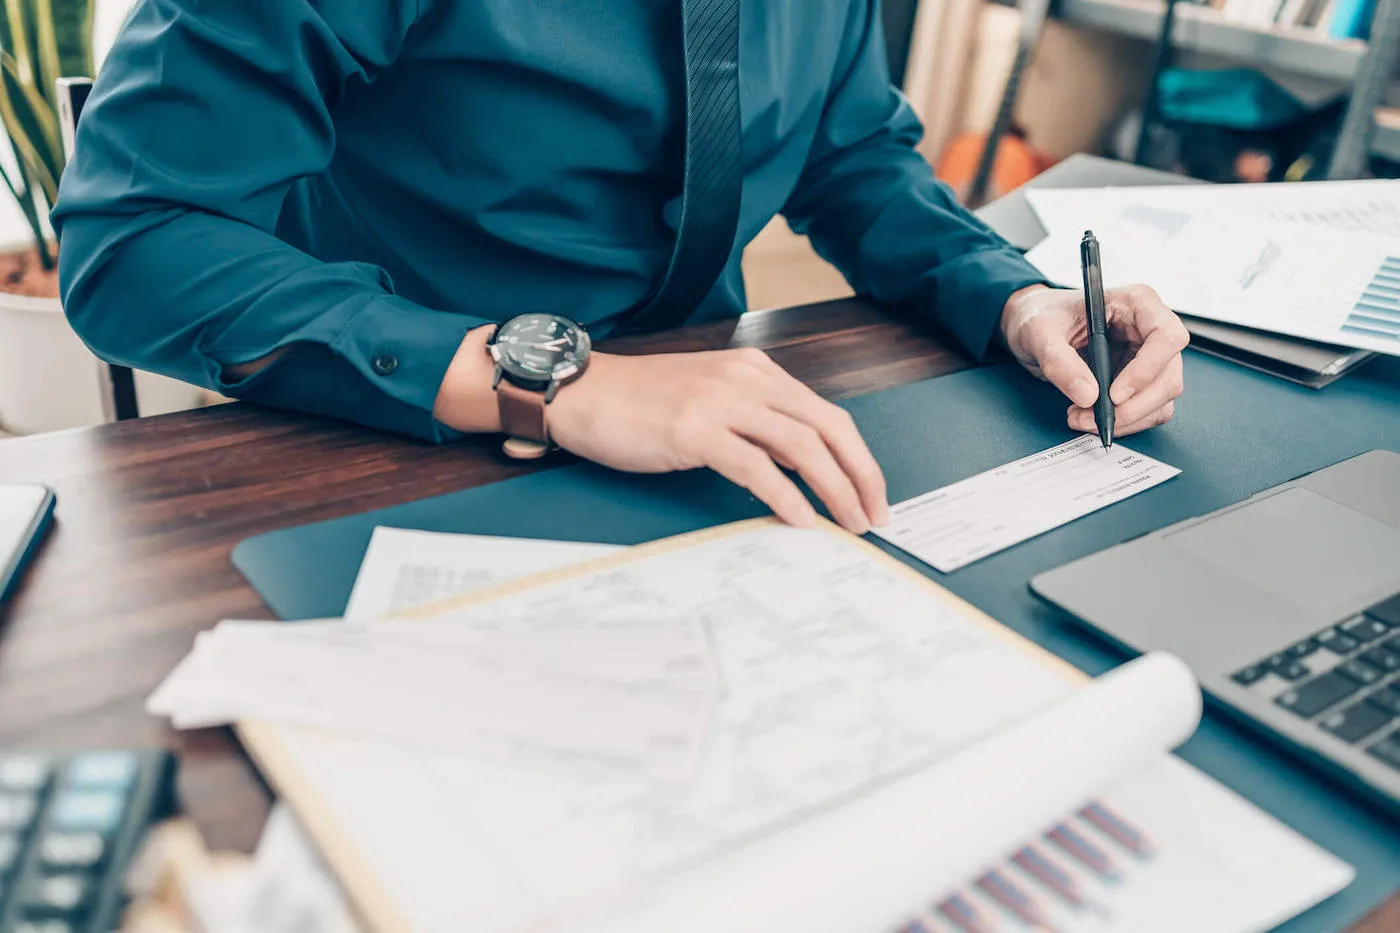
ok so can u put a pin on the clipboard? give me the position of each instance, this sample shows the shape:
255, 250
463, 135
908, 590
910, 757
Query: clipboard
369, 896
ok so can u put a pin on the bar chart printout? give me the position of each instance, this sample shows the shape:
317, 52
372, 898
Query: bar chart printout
1066, 882
1376, 313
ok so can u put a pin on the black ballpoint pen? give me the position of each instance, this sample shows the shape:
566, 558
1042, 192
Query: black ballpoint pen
1099, 360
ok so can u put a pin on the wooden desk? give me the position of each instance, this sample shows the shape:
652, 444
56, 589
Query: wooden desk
149, 510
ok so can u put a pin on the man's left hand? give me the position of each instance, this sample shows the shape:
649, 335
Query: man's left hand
1047, 331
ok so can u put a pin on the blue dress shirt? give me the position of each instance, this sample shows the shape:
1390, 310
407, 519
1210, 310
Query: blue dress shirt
364, 181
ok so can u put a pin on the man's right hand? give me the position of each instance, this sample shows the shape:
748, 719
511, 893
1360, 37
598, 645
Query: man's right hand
735, 411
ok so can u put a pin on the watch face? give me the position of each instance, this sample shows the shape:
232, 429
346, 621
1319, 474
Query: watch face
541, 348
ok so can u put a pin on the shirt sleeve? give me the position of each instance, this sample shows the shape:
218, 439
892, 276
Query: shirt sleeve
204, 116
872, 207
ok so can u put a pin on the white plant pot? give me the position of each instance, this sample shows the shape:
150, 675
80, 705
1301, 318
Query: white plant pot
49, 380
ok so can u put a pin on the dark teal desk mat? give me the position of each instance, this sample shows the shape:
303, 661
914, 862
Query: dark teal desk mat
1235, 434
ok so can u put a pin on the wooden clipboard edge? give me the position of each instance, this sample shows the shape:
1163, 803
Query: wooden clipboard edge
371, 901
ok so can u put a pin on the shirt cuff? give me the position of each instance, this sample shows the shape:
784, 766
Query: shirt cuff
971, 293
404, 349
382, 369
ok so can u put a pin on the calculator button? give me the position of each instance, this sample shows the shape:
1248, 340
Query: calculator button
1388, 611
79, 811
1316, 695
58, 896
1359, 671
1356, 722
1251, 674
10, 849
1388, 750
1304, 648
1389, 698
17, 812
1292, 670
1364, 628
102, 769
1337, 642
25, 773
1382, 658
71, 851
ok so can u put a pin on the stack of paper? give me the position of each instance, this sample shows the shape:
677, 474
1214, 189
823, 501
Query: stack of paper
627, 687
881, 755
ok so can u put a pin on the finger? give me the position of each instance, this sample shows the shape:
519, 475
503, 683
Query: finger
1151, 420
1064, 368
841, 436
1147, 319
801, 447
1082, 420
1167, 387
748, 466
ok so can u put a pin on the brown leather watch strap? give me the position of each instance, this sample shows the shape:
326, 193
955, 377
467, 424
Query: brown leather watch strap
523, 420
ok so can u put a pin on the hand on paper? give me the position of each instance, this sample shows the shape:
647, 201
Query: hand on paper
1047, 331
735, 411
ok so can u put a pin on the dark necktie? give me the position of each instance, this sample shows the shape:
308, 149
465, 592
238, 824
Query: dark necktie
713, 170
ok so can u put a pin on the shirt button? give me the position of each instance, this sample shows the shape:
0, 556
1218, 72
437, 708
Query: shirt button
385, 364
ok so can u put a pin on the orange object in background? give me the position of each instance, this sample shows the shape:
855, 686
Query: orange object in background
1016, 163
983, 166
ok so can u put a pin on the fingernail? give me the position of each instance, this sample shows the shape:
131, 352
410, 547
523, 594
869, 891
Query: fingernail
1083, 392
1120, 394
859, 524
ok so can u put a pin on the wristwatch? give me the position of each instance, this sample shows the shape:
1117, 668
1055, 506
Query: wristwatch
534, 354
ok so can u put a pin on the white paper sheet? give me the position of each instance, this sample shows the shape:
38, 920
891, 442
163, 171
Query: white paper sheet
1214, 864
617, 647
456, 686
951, 527
1340, 288
1370, 206
405, 568
389, 688
844, 678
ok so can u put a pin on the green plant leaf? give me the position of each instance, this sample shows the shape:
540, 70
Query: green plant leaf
25, 199
46, 43
30, 157
41, 114
19, 39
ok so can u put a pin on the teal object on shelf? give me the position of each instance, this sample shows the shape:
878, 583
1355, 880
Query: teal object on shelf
1236, 98
1351, 19
1236, 433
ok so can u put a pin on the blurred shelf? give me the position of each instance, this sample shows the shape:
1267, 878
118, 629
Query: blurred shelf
1202, 29
1386, 141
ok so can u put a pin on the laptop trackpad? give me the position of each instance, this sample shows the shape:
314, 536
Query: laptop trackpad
1300, 546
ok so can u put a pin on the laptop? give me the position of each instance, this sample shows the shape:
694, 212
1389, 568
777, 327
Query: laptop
1286, 606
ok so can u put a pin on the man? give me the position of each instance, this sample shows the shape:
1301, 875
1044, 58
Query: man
325, 205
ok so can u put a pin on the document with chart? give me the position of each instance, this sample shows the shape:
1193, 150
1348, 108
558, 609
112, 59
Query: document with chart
1340, 288
881, 756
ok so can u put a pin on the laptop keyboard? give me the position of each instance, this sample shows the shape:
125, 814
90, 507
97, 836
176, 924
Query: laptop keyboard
1346, 679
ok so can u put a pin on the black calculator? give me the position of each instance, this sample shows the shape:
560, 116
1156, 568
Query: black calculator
70, 825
